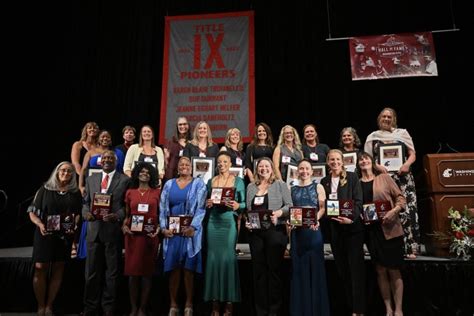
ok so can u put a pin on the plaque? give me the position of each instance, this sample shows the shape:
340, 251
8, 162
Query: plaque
381, 208
101, 205
350, 160
319, 171
369, 214
53, 223
60, 223
136, 224
237, 171
177, 223
391, 156
346, 208
260, 219
292, 175
303, 216
149, 225
220, 196
203, 167
68, 222
343, 208
332, 208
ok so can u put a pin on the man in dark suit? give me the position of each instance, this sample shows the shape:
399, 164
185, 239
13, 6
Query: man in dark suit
103, 237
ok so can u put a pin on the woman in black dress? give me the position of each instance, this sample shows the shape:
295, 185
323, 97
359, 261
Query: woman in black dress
384, 237
55, 206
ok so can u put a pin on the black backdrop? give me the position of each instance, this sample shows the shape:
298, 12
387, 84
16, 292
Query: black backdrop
76, 61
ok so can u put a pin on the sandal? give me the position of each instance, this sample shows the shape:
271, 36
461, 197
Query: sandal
74, 251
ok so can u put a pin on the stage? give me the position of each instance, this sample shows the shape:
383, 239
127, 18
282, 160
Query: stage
433, 286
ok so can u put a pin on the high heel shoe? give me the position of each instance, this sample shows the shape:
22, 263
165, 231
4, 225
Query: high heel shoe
174, 311
188, 311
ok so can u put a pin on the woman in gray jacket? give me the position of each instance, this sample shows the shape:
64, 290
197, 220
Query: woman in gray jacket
267, 246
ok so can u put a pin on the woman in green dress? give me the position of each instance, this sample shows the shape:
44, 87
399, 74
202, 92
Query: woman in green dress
222, 274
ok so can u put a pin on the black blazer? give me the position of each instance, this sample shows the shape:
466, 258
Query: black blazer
191, 150
350, 191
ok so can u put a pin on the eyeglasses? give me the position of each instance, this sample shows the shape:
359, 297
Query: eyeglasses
66, 170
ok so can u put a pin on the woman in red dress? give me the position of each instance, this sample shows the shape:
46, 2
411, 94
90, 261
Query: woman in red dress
141, 229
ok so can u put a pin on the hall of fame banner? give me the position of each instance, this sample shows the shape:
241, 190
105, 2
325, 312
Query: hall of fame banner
209, 73
392, 56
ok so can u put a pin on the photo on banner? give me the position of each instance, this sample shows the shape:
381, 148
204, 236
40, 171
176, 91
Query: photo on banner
209, 73
392, 56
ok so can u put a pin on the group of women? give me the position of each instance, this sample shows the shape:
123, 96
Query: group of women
212, 232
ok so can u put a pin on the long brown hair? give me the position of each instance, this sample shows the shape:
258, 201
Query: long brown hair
268, 141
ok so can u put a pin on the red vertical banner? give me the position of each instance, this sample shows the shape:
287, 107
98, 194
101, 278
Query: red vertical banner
392, 56
209, 73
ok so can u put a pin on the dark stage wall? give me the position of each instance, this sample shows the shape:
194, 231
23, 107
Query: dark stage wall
76, 61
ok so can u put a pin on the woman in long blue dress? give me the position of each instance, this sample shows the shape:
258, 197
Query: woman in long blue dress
222, 272
182, 252
309, 296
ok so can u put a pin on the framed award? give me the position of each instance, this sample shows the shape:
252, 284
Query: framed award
391, 156
203, 167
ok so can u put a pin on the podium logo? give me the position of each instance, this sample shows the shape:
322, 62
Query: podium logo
448, 173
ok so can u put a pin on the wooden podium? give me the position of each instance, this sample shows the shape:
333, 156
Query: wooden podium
450, 179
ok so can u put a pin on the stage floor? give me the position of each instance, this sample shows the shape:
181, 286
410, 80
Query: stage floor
432, 286
25, 252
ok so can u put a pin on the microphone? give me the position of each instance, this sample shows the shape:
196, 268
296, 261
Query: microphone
5, 197
440, 147
451, 148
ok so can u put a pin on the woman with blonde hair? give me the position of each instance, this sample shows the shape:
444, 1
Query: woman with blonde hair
88, 141
201, 145
288, 150
59, 196
234, 146
347, 234
389, 133
267, 246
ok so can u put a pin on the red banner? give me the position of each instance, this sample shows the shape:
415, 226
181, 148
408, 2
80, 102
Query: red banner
208, 73
392, 56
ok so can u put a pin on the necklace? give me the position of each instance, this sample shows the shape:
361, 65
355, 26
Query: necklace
142, 193
226, 180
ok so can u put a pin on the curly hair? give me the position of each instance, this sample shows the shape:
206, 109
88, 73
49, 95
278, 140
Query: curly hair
139, 166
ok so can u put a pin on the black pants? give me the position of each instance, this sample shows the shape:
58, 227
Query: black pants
347, 248
267, 248
102, 271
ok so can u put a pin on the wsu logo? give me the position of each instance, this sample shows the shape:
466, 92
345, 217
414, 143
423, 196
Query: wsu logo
448, 173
